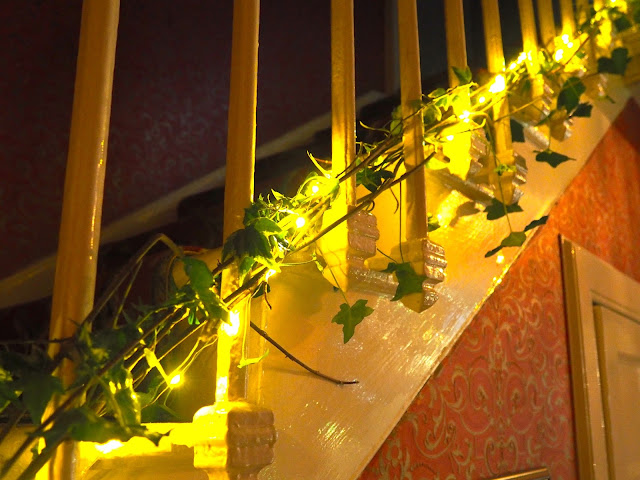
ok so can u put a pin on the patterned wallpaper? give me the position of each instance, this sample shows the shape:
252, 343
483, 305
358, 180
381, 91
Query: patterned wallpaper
169, 101
501, 401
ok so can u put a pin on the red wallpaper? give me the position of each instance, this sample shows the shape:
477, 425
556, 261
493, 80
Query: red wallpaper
168, 124
501, 401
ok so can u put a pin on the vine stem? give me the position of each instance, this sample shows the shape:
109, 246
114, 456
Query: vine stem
74, 395
297, 361
365, 201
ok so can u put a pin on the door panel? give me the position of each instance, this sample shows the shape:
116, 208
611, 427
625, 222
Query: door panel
618, 339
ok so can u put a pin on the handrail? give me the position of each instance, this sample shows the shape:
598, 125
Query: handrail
79, 238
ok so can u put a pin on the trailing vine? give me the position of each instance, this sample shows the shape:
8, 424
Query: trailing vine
119, 365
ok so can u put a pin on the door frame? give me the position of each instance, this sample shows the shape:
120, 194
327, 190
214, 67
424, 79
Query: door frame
590, 280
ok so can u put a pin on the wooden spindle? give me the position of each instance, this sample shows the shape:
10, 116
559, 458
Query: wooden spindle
413, 137
495, 63
493, 36
241, 146
456, 40
79, 238
529, 36
547, 23
343, 94
568, 18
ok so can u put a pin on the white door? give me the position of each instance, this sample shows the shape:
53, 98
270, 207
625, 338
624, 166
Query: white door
603, 319
618, 339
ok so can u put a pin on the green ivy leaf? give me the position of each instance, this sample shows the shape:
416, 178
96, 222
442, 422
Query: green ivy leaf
350, 316
250, 361
536, 223
569, 96
517, 131
616, 64
622, 23
372, 179
514, 239
462, 74
432, 223
38, 388
437, 93
201, 282
552, 158
408, 280
497, 209
266, 226
582, 110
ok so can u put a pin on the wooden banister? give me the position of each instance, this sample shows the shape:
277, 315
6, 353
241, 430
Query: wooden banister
568, 18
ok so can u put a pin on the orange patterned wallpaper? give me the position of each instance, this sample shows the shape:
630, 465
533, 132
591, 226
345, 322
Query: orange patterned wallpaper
501, 401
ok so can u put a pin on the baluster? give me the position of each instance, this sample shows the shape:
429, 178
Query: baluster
456, 39
425, 256
503, 187
238, 436
346, 247
547, 24
469, 144
568, 18
79, 238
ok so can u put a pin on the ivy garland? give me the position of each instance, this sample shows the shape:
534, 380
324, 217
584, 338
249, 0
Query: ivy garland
118, 366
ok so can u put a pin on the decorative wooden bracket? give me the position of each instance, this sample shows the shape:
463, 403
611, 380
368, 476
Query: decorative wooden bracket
234, 440
427, 257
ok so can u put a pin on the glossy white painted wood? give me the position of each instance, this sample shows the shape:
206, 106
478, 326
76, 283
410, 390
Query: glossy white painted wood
618, 339
588, 281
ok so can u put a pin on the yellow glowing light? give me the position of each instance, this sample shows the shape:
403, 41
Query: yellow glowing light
450, 137
233, 327
300, 221
110, 446
570, 44
523, 56
482, 99
565, 38
558, 55
499, 84
513, 66
327, 175
464, 116
175, 380
499, 259
270, 274
315, 189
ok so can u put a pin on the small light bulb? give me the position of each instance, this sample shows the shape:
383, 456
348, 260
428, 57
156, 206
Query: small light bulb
270, 274
315, 189
175, 380
450, 137
110, 446
465, 115
499, 259
565, 38
300, 221
558, 55
498, 85
482, 99
513, 66
570, 45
